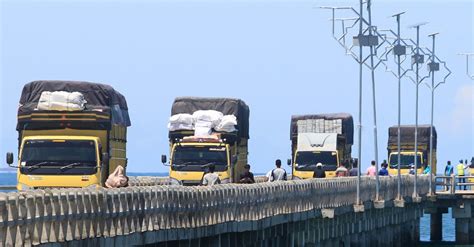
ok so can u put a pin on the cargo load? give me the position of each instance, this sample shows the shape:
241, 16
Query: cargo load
100, 99
226, 106
61, 101
407, 135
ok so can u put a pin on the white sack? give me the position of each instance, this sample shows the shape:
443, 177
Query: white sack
181, 122
209, 116
227, 124
202, 131
61, 101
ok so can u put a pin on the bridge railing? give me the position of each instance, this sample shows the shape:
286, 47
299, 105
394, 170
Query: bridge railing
59, 215
154, 181
454, 184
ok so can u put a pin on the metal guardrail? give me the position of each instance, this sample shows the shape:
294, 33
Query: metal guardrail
454, 184
140, 181
7, 187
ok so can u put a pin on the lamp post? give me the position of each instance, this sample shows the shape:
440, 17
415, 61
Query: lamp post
433, 66
374, 105
417, 59
399, 50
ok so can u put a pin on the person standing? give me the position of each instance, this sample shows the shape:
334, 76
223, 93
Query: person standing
460, 168
212, 177
247, 176
371, 169
412, 169
383, 171
467, 172
319, 171
354, 170
342, 171
427, 169
448, 171
278, 173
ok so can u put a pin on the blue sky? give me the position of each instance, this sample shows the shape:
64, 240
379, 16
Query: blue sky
278, 56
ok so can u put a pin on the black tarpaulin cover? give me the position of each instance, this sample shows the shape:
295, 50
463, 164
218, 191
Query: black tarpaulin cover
227, 106
407, 135
99, 97
346, 118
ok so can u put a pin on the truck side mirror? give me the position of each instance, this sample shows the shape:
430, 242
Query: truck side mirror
164, 159
234, 159
9, 159
105, 158
288, 162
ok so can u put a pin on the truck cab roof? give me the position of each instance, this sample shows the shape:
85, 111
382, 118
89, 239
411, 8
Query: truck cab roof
84, 138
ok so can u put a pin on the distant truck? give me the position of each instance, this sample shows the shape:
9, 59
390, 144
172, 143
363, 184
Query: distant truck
76, 140
321, 138
407, 148
191, 154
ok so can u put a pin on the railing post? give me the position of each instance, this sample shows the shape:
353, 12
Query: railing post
453, 184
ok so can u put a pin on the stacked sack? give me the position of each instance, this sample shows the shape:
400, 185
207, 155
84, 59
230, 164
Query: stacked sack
61, 101
181, 122
203, 122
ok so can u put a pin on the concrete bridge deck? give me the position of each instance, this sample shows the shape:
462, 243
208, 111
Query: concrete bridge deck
294, 213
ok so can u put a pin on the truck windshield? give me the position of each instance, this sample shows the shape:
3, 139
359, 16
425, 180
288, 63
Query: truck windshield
58, 157
198, 158
406, 160
306, 161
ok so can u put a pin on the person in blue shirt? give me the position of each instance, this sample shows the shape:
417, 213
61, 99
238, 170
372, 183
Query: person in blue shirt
427, 169
383, 171
448, 171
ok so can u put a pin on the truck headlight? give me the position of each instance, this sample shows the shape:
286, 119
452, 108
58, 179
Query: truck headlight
293, 177
22, 186
225, 181
174, 181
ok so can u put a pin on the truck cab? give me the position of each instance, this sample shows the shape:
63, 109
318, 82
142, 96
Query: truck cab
407, 148
407, 159
42, 158
190, 158
314, 148
320, 138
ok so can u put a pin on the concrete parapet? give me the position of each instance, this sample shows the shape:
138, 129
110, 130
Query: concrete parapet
150, 214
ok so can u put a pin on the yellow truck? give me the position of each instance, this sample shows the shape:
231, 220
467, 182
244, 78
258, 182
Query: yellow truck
321, 138
191, 152
407, 148
70, 134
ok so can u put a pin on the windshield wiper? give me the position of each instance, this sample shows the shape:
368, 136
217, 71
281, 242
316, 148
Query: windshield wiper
71, 165
38, 165
208, 164
184, 164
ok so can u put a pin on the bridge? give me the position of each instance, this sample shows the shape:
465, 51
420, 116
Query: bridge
314, 212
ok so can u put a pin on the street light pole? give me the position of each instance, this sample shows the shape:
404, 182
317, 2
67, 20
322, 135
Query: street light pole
359, 125
417, 60
433, 66
377, 184
399, 51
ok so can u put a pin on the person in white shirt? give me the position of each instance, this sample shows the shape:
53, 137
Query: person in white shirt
211, 178
278, 173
